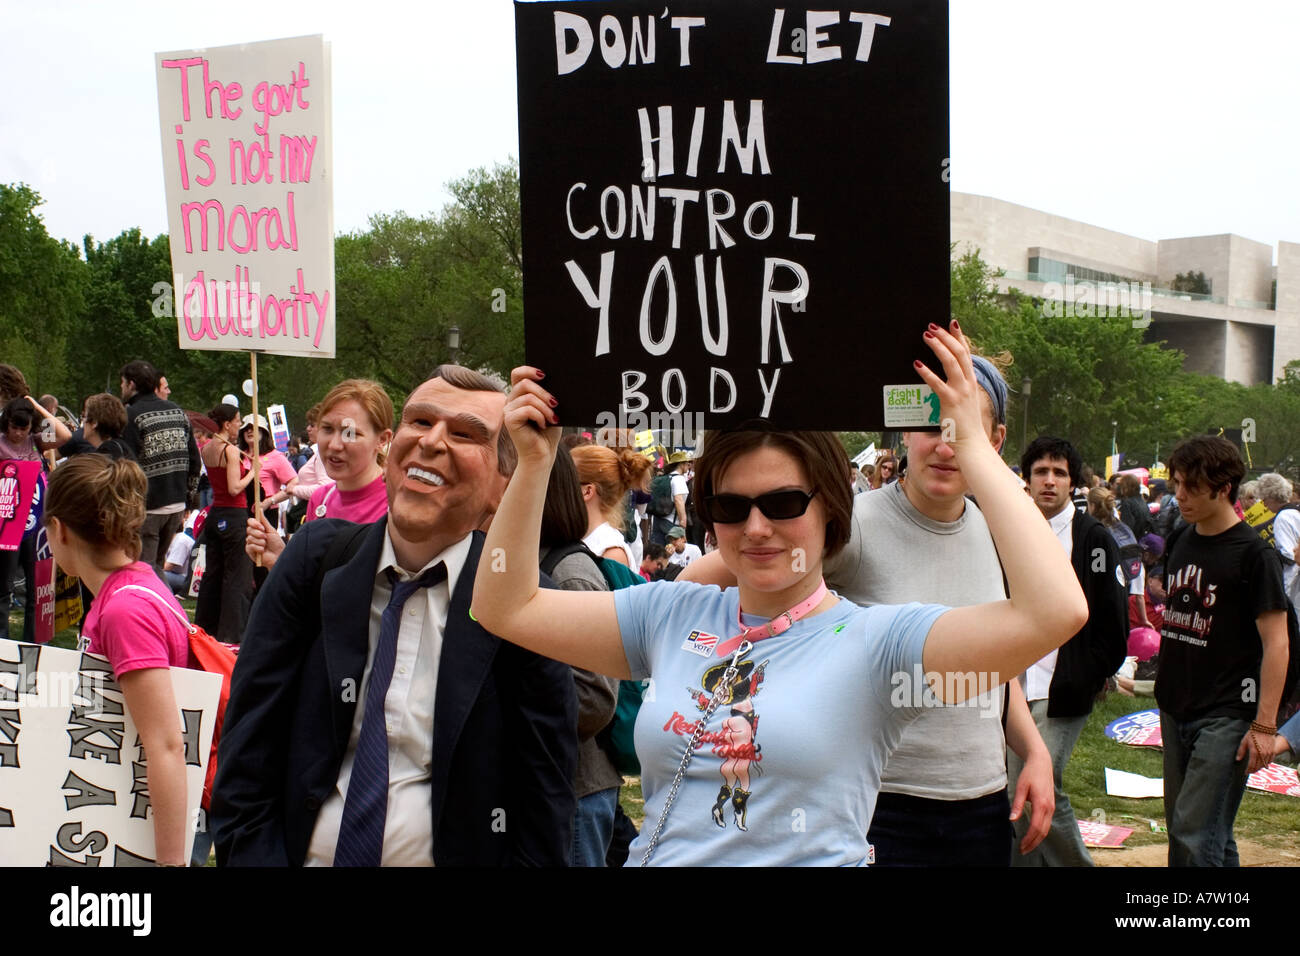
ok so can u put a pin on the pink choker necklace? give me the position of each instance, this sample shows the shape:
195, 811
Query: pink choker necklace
778, 625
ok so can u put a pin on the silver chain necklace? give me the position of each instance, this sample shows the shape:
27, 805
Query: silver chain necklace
720, 692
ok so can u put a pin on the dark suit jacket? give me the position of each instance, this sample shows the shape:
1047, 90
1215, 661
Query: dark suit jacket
1087, 659
504, 728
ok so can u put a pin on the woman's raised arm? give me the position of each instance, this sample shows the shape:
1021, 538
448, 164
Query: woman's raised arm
577, 627
1046, 605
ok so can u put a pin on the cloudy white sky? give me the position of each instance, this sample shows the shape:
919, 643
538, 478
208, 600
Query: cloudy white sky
1158, 118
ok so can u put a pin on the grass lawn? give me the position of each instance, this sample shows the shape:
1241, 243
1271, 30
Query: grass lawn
1265, 818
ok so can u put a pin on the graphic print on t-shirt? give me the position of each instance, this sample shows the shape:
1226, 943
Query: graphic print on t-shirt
736, 742
1189, 597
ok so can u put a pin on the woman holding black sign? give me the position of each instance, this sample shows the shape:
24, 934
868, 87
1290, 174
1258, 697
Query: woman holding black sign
771, 673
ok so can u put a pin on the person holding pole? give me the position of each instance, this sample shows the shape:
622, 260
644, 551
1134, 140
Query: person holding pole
779, 665
227, 586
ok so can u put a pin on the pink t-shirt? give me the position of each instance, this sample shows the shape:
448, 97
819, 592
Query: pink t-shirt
362, 506
134, 630
276, 472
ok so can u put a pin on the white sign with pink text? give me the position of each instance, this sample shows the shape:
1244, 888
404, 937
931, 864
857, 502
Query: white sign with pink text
247, 162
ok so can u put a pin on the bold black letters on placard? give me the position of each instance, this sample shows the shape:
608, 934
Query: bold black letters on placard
92, 844
193, 722
88, 795
791, 151
29, 656
9, 730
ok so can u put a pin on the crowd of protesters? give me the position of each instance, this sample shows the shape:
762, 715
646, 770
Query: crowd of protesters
358, 554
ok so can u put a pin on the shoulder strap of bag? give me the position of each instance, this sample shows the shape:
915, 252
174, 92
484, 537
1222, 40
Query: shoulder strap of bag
160, 599
556, 555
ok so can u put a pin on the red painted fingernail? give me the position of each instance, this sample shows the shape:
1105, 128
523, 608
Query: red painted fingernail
928, 335
541, 374
553, 402
554, 420
933, 327
919, 364
955, 325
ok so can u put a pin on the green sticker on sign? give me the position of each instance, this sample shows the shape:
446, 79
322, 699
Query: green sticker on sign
911, 406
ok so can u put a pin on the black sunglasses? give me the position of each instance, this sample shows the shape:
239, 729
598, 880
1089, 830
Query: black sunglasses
775, 506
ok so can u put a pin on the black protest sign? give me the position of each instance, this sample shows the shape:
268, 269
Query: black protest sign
732, 209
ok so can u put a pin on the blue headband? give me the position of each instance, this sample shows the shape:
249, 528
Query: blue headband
990, 379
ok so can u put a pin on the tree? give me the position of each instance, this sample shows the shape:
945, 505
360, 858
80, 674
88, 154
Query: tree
405, 282
1086, 371
42, 291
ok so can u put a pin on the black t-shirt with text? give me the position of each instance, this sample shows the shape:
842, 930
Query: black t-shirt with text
1210, 649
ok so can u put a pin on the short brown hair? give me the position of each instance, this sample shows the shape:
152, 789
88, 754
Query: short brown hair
1129, 486
459, 376
108, 413
819, 454
102, 500
1210, 462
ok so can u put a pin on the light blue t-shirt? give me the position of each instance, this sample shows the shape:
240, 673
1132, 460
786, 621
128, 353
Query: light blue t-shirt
795, 752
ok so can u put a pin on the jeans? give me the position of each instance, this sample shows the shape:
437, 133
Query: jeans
1204, 784
917, 831
156, 537
593, 826
1291, 731
178, 582
226, 591
202, 848
1063, 845
10, 562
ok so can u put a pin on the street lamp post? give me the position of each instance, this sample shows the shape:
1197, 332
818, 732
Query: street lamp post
453, 343
1024, 429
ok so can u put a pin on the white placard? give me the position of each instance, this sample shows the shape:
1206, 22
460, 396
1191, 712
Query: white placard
1121, 783
246, 145
73, 786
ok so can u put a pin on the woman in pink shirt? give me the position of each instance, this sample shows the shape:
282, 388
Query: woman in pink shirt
353, 432
93, 513
278, 477
312, 474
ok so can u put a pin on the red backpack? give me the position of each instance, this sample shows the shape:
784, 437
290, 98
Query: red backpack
206, 654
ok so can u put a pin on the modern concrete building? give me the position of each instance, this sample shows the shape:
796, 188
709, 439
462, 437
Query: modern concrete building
1244, 329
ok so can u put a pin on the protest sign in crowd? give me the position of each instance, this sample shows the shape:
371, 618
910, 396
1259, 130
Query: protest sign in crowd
448, 633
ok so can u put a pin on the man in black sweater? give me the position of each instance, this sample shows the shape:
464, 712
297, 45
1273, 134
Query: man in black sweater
159, 434
1061, 687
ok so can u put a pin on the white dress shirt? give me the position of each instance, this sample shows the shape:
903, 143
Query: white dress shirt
408, 710
1286, 532
1038, 679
